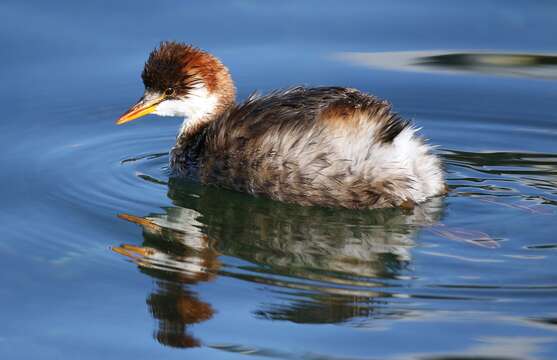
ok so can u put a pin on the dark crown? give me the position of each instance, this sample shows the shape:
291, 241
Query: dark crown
167, 67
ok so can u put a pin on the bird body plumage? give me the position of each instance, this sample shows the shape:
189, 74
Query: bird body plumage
327, 146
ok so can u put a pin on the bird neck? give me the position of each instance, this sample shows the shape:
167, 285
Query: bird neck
206, 102
201, 109
204, 112
191, 140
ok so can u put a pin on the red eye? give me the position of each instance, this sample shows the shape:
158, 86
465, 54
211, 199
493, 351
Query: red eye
169, 92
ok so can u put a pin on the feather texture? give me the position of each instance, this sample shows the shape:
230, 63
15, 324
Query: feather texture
327, 146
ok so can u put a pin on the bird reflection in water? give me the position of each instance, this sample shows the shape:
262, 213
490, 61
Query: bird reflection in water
326, 262
175, 258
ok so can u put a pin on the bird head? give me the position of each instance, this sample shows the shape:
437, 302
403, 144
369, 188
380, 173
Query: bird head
181, 80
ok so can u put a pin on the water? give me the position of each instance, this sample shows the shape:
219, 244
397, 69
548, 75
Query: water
104, 256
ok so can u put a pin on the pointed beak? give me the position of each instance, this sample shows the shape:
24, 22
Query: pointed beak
143, 107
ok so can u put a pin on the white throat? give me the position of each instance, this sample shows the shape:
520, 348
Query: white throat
195, 108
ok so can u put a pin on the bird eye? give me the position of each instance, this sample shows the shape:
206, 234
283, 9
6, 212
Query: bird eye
169, 92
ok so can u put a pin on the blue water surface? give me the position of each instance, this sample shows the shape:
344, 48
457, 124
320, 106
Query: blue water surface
105, 256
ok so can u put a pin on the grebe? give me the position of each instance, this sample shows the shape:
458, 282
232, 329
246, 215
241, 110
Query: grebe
327, 146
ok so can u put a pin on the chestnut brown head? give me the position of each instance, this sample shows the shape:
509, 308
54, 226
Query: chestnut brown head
181, 80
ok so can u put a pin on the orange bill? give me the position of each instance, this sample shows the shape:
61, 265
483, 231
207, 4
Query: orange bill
141, 108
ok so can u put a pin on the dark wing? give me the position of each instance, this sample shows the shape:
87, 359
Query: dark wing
298, 110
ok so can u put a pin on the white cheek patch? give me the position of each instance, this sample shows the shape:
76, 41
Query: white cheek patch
172, 108
194, 108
